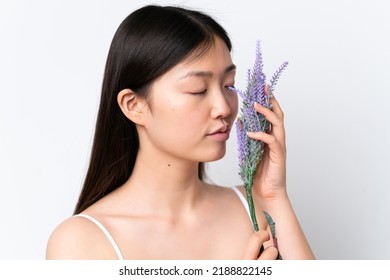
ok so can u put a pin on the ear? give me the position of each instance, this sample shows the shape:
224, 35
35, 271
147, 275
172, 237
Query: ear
132, 106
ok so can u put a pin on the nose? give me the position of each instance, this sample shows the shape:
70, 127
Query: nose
221, 105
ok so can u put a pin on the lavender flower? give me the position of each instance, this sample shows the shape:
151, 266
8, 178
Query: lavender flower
250, 152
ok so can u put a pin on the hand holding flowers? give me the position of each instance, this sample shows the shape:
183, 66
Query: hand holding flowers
270, 179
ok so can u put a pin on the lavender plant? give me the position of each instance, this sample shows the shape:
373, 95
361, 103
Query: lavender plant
250, 151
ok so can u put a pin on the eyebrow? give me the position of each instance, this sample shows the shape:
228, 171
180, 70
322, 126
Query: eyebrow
207, 74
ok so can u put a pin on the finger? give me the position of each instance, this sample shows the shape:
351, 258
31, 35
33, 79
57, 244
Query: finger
274, 103
277, 123
269, 139
270, 253
276, 107
268, 91
270, 115
254, 245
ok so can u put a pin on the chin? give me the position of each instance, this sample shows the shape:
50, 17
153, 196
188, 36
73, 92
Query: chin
215, 155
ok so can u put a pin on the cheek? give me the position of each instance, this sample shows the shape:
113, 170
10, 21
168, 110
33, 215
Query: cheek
177, 130
179, 116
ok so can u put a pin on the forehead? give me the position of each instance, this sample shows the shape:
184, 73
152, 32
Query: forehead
214, 61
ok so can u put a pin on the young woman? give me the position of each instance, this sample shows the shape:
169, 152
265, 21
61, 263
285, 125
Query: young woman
166, 108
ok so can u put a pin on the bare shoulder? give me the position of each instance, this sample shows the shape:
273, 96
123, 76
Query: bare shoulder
226, 191
241, 188
226, 196
79, 238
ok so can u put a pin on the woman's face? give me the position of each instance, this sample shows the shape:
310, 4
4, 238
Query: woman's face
192, 109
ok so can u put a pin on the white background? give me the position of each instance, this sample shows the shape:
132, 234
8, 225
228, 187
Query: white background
335, 95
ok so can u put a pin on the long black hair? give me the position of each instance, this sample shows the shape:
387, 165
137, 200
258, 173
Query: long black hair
147, 44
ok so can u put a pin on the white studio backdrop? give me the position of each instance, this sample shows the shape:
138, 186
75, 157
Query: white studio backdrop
335, 95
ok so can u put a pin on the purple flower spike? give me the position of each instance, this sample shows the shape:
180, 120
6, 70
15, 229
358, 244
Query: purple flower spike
276, 76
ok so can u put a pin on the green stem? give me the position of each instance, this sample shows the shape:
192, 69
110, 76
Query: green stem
252, 212
252, 209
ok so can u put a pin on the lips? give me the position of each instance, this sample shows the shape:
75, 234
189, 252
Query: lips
220, 134
222, 129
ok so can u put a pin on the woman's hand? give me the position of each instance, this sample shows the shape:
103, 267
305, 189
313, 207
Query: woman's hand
254, 244
269, 187
270, 180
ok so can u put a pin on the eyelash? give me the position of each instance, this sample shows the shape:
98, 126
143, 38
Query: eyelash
201, 92
230, 88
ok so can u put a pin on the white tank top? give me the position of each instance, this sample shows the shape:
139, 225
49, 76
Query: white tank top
112, 240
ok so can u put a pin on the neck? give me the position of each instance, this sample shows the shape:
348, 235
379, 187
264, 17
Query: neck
163, 185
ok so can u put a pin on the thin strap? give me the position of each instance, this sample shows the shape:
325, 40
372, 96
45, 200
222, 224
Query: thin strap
242, 198
109, 236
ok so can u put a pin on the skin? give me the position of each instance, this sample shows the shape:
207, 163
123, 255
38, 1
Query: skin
172, 214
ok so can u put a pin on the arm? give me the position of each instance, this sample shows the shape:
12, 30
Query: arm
292, 243
269, 187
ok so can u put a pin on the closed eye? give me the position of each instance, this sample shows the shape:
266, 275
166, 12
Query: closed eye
199, 92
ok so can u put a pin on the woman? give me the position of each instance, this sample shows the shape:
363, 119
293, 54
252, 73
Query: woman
166, 108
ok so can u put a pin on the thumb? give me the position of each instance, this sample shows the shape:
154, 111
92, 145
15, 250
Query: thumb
254, 244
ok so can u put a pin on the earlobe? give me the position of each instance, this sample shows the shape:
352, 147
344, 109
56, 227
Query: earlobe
131, 106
